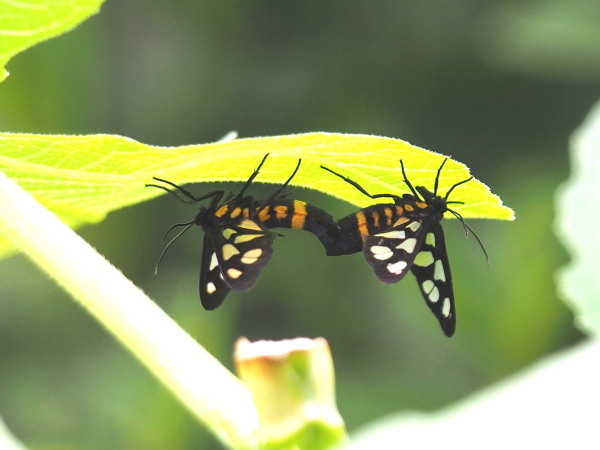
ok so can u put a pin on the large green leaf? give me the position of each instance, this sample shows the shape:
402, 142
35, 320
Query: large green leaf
82, 178
578, 215
24, 23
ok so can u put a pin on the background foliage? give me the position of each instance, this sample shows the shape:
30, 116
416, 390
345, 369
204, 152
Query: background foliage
434, 74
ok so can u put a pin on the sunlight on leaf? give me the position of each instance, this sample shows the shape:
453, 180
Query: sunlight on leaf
26, 23
83, 178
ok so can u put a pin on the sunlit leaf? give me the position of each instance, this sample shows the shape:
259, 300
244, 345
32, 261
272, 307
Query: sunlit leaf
26, 23
83, 178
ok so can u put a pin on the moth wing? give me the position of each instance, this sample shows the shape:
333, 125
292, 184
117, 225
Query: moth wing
391, 253
432, 271
243, 248
213, 288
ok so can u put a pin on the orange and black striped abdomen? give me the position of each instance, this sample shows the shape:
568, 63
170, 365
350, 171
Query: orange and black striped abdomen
355, 227
289, 213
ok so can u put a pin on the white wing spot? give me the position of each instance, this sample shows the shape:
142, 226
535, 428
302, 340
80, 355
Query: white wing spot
245, 238
434, 295
424, 259
408, 245
210, 287
428, 286
213, 262
234, 273
414, 225
438, 271
397, 268
396, 234
228, 251
381, 253
430, 239
228, 232
251, 256
446, 307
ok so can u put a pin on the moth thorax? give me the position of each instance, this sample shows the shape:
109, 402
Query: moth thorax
439, 205
203, 216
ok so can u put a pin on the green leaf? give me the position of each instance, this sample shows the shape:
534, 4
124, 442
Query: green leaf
25, 23
83, 178
578, 215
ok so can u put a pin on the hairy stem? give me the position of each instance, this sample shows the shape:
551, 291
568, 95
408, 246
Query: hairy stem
196, 378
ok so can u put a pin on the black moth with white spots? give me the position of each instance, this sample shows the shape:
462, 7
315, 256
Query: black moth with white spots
407, 235
236, 245
235, 250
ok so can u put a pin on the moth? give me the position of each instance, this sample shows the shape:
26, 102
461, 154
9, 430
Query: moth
404, 236
237, 245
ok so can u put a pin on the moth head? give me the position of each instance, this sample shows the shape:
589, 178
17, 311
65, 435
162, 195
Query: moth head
203, 215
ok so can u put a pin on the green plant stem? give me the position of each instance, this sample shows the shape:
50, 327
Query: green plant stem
198, 380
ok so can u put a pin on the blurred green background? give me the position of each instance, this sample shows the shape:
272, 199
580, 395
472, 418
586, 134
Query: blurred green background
498, 85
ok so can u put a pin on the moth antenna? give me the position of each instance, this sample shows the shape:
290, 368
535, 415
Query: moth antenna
362, 190
182, 194
437, 177
252, 177
172, 227
177, 236
280, 192
407, 182
454, 186
467, 229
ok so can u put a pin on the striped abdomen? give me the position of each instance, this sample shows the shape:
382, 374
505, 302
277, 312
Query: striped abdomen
288, 213
355, 227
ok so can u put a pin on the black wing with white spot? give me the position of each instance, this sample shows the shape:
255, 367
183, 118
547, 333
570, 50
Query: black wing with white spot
419, 247
391, 253
432, 271
213, 288
241, 249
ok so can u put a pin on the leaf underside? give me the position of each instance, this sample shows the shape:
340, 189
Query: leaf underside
24, 24
83, 178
